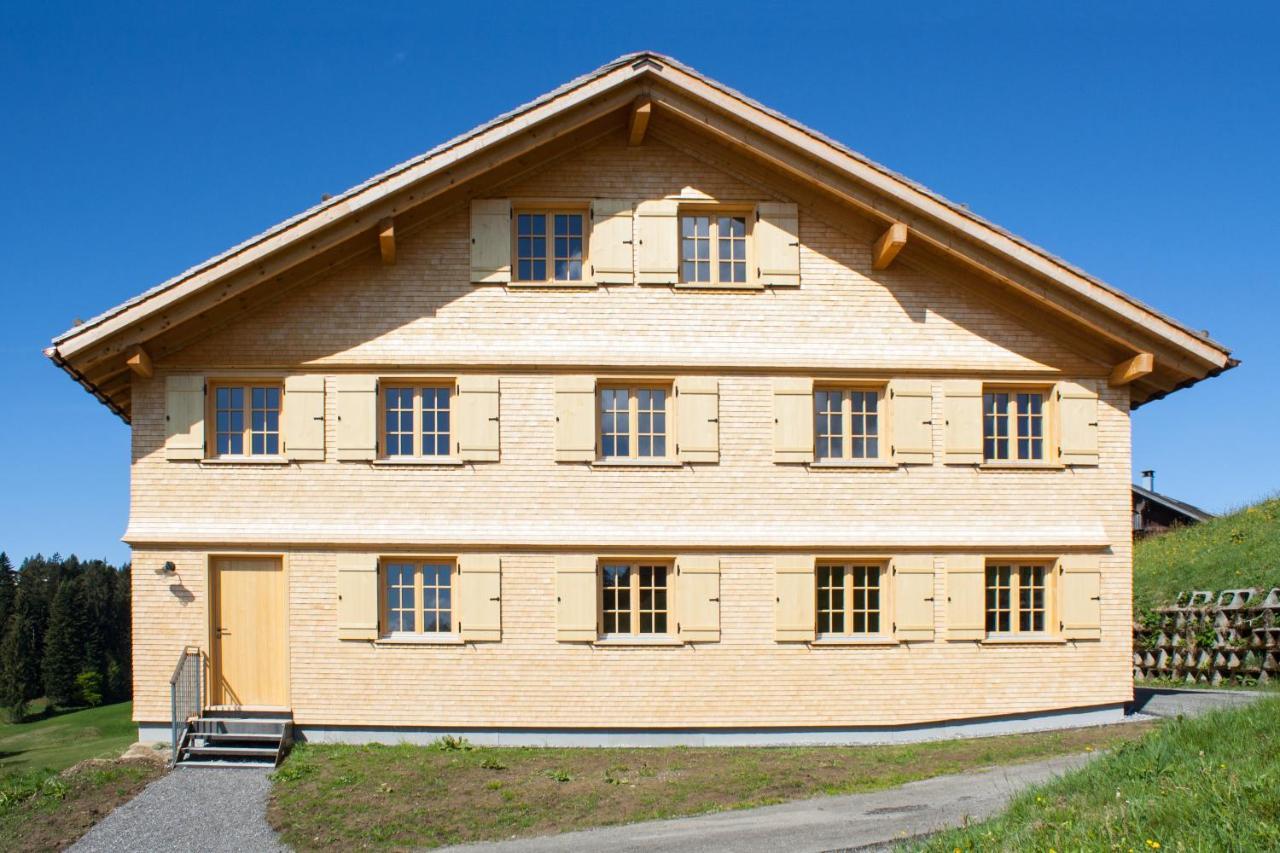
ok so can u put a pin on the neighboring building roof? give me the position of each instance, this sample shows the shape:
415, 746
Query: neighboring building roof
1192, 513
94, 352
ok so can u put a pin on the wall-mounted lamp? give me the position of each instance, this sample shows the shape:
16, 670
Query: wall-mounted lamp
169, 568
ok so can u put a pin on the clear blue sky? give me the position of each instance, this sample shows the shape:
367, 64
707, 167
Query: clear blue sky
1137, 140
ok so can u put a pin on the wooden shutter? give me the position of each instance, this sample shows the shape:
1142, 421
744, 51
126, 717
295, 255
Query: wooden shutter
357, 596
777, 244
962, 403
698, 599
698, 419
576, 598
610, 248
1080, 597
795, 611
575, 418
792, 420
357, 428
476, 418
657, 241
491, 240
1077, 423
911, 417
302, 418
913, 598
966, 597
479, 597
184, 417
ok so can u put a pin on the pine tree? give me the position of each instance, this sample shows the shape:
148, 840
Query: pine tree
19, 658
8, 588
63, 649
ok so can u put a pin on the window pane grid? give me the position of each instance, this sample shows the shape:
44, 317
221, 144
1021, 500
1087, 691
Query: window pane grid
229, 420
553, 256
651, 422
695, 249
732, 249
246, 420
531, 247
846, 424
615, 420
398, 421
633, 423
437, 605
1016, 598
568, 247
829, 424
418, 597
635, 598
435, 421
401, 597
849, 601
1013, 426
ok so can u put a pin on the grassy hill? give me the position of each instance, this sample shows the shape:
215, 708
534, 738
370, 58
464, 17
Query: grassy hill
59, 741
1237, 550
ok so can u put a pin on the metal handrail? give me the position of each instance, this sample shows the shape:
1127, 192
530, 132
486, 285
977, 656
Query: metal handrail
186, 693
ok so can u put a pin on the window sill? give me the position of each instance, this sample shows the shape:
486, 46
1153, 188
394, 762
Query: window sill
419, 640
637, 463
551, 285
1020, 466
873, 640
246, 460
873, 464
712, 285
638, 641
1023, 640
419, 462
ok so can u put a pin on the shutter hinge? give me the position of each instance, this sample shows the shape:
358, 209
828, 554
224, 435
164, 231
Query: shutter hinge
895, 627
716, 599
930, 598
1061, 626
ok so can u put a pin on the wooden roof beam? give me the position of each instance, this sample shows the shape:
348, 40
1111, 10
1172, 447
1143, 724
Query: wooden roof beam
140, 363
1131, 369
888, 246
641, 110
387, 240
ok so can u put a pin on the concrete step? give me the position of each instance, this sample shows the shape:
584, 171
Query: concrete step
268, 752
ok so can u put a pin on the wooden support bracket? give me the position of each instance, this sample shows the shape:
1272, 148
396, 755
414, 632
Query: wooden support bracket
387, 240
888, 246
1133, 368
140, 363
641, 109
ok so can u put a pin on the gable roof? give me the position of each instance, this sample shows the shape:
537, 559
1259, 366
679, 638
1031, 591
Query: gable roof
95, 352
1194, 513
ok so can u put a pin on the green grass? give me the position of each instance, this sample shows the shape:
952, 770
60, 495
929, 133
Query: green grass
409, 797
57, 742
1208, 783
1237, 550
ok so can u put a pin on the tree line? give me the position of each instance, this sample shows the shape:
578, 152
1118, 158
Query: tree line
65, 633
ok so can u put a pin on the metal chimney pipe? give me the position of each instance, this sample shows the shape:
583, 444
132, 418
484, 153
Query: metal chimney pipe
1150, 477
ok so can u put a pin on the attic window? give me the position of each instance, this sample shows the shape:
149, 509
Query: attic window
713, 247
549, 245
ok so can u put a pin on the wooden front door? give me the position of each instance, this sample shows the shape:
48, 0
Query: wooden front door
250, 635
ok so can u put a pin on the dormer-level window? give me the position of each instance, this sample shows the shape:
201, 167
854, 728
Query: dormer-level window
1013, 425
246, 420
549, 245
713, 247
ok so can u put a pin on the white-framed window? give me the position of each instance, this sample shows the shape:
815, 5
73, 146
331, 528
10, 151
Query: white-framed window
634, 421
713, 246
246, 419
416, 420
417, 596
847, 423
1014, 424
550, 245
635, 598
1017, 597
850, 599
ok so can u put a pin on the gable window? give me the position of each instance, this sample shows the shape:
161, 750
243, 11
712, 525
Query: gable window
849, 600
633, 422
634, 598
415, 420
549, 246
417, 596
1013, 425
847, 423
713, 248
1016, 598
246, 420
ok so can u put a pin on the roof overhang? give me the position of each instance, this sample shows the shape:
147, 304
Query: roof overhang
944, 235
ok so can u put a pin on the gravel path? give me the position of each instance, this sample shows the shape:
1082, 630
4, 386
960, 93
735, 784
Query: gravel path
190, 809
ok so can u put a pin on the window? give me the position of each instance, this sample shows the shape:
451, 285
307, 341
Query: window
634, 598
633, 423
713, 248
1013, 425
549, 246
847, 424
849, 601
1016, 598
246, 420
415, 420
418, 596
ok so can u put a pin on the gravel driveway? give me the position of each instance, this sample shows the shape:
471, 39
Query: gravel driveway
190, 809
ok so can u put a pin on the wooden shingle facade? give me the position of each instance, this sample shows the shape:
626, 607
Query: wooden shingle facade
641, 409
